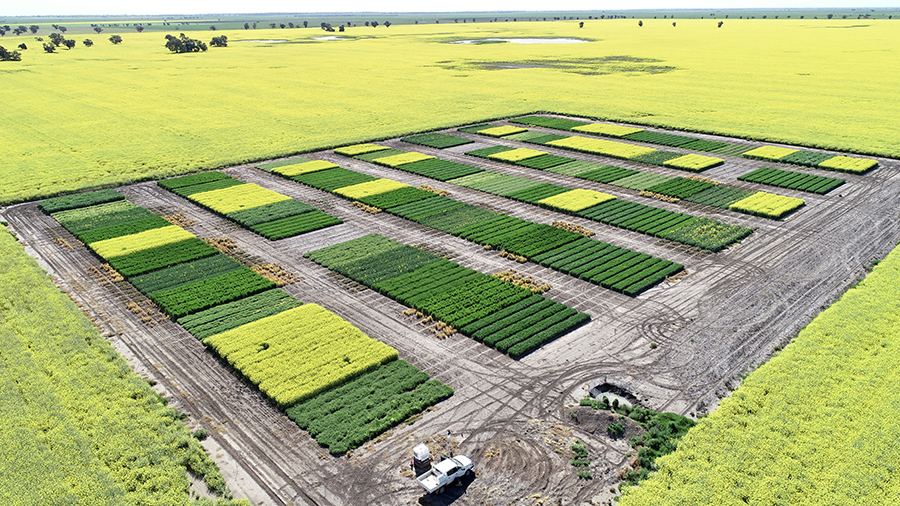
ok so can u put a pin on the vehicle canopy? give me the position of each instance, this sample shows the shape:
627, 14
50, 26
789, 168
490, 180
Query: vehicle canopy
451, 465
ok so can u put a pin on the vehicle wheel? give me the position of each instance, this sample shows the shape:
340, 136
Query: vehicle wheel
469, 472
441, 490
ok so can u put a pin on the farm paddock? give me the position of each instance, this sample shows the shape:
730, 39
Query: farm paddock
680, 346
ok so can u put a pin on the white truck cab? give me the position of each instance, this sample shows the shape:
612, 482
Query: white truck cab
444, 473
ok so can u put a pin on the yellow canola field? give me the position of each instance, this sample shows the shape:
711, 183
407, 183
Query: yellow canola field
402, 159
849, 164
147, 239
237, 198
694, 162
606, 129
517, 155
500, 131
106, 114
299, 353
370, 188
768, 205
602, 147
769, 152
304, 168
359, 149
576, 200
815, 425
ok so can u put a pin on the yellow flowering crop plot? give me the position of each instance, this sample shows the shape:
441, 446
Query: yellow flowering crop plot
576, 200
602, 147
849, 164
237, 198
402, 159
370, 188
694, 162
299, 353
767, 205
517, 155
769, 152
501, 131
304, 168
147, 239
360, 149
794, 431
606, 129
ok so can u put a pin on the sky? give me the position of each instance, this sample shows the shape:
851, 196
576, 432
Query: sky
109, 7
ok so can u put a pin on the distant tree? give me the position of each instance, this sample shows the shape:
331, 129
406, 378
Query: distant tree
39, 39
673, 23
327, 27
9, 55
305, 24
282, 25
18, 30
830, 16
63, 29
212, 27
290, 25
374, 24
272, 25
98, 29
87, 42
640, 23
2, 31
581, 24
34, 28
387, 24
69, 43
341, 28
367, 23
184, 44
845, 16
115, 39
220, 41
23, 47
56, 39
49, 47
246, 26
254, 25
139, 28
720, 24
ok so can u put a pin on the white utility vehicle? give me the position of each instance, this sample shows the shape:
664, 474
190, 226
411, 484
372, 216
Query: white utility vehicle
444, 473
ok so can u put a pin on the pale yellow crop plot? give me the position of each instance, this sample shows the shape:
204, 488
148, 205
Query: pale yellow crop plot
304, 168
115, 113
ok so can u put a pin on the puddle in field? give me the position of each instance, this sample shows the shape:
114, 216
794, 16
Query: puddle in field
520, 41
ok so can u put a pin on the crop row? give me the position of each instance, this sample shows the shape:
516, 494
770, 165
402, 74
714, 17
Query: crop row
79, 200
792, 180
350, 414
449, 217
817, 159
680, 187
291, 351
612, 267
93, 217
812, 159
266, 212
436, 140
440, 288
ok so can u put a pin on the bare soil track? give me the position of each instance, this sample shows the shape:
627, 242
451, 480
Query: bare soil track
725, 317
